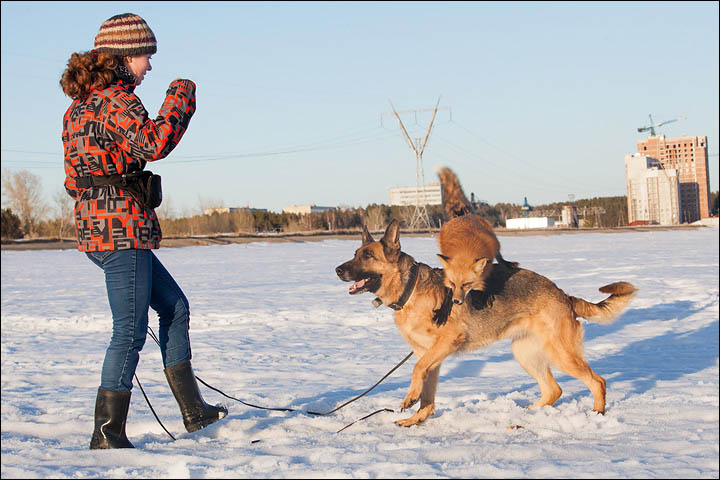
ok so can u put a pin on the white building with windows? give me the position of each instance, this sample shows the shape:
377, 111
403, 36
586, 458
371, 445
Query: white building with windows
429, 195
652, 191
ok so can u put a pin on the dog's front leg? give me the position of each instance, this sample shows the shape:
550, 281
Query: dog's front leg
443, 346
427, 401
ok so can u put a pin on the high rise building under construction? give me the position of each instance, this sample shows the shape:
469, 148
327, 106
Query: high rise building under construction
689, 156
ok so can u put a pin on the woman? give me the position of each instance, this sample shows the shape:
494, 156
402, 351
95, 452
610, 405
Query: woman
106, 136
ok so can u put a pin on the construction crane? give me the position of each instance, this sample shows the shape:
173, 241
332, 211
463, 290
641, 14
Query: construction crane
652, 125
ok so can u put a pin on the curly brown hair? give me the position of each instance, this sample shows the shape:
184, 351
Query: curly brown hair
88, 70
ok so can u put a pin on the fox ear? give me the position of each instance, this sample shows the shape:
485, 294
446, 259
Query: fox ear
479, 265
443, 259
366, 237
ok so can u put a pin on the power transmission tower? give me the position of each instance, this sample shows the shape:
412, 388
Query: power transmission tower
420, 216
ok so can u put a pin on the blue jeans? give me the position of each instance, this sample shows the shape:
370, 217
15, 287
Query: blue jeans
135, 280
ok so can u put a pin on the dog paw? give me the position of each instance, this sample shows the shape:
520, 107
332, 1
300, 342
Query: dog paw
407, 422
419, 417
409, 401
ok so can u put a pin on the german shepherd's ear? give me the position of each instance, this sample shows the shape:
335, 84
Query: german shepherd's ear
391, 241
366, 237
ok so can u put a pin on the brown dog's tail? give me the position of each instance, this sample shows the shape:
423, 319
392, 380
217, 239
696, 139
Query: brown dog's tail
607, 310
454, 201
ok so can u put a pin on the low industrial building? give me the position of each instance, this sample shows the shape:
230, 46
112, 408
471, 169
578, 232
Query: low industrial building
530, 222
210, 211
305, 209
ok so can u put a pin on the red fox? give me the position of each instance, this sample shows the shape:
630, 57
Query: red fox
467, 242
468, 247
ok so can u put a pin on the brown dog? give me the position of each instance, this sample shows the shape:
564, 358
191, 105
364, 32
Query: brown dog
517, 304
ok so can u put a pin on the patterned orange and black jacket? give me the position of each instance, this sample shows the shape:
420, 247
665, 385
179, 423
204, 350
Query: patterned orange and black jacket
107, 133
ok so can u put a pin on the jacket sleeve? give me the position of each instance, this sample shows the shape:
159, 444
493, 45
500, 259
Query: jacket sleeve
69, 184
144, 139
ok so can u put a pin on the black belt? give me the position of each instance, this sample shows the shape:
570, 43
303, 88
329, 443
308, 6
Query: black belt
101, 180
144, 186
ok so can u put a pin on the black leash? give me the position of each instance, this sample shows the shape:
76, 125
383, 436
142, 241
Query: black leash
151, 408
309, 412
152, 334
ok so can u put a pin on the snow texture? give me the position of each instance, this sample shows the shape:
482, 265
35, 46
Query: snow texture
273, 325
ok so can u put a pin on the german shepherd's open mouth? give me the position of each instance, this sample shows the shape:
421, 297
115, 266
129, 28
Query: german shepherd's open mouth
363, 281
368, 284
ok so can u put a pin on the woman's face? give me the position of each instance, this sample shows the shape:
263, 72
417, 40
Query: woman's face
139, 65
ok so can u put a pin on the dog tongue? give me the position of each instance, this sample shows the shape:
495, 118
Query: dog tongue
358, 285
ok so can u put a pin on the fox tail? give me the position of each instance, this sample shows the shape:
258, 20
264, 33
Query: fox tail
454, 201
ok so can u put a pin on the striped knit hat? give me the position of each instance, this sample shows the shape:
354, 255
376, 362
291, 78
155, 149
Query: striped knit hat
125, 35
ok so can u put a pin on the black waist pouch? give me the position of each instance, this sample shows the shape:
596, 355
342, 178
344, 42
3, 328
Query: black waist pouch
144, 186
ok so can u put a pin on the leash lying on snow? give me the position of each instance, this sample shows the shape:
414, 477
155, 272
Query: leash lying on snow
151, 408
309, 412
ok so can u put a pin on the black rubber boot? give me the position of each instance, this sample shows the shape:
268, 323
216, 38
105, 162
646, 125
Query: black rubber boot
111, 409
196, 413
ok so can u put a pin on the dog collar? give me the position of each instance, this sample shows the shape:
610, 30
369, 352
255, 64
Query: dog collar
408, 288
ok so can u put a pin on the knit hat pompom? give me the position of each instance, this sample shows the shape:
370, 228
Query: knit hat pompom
126, 35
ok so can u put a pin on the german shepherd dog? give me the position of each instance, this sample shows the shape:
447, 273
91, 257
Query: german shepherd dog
516, 303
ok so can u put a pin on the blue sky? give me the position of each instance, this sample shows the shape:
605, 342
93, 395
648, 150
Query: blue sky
543, 99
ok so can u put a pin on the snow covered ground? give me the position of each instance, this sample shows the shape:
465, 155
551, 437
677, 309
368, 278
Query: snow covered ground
273, 325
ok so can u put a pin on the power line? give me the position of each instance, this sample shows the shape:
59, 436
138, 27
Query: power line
31, 152
329, 146
296, 145
350, 139
510, 179
570, 180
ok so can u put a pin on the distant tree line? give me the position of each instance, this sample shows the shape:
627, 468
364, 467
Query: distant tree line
28, 216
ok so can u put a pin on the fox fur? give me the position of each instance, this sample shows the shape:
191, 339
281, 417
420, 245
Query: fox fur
468, 245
